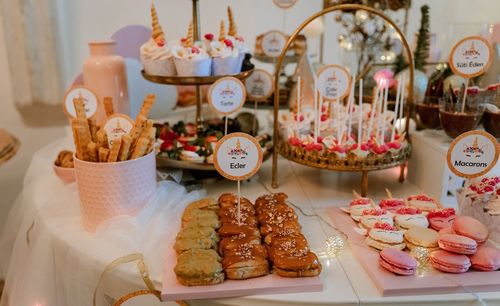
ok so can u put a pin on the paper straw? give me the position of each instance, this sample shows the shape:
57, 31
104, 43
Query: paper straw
384, 113
239, 203
315, 108
372, 112
297, 120
465, 94
403, 90
360, 114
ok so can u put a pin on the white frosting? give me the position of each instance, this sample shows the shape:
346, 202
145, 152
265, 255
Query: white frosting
386, 235
369, 221
407, 221
423, 205
183, 53
150, 49
239, 45
191, 156
357, 210
219, 49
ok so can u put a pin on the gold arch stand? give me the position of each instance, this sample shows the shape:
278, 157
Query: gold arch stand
328, 162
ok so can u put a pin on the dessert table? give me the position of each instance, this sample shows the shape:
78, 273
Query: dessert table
48, 259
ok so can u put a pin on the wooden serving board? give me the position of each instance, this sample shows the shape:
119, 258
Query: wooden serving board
431, 282
270, 284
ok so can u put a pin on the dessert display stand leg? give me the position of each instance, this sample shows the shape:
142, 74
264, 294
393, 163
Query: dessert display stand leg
402, 172
364, 183
199, 98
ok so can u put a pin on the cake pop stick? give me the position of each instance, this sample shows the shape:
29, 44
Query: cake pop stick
360, 113
465, 94
396, 109
384, 114
315, 109
389, 194
297, 114
402, 103
350, 104
372, 112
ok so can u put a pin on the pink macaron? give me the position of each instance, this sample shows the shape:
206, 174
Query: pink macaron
457, 244
449, 262
397, 261
470, 227
443, 218
447, 230
486, 259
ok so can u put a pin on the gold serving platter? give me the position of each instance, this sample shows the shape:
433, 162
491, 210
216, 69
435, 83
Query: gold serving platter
350, 163
192, 80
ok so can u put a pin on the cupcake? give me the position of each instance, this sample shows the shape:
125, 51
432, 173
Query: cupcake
238, 41
189, 59
155, 54
225, 58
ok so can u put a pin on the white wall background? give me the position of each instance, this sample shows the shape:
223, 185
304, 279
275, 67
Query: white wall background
83, 20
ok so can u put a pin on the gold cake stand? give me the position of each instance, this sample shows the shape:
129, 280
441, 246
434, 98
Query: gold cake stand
331, 161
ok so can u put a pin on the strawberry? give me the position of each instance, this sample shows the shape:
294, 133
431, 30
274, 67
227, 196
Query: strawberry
190, 148
209, 36
228, 43
167, 146
195, 50
324, 117
394, 145
294, 141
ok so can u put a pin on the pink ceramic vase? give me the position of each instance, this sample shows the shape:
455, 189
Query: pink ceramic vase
104, 73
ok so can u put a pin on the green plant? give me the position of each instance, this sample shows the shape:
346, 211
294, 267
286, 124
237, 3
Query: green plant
421, 52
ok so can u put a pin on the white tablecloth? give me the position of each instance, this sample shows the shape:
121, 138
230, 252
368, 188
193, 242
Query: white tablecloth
48, 258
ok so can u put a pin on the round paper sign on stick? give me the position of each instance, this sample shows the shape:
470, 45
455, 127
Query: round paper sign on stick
471, 57
273, 43
227, 95
116, 126
237, 156
259, 85
285, 4
473, 154
90, 101
333, 82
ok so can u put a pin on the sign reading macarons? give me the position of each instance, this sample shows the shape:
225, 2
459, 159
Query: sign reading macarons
90, 101
473, 154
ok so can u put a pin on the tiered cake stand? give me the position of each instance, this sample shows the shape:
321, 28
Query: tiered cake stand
193, 81
331, 161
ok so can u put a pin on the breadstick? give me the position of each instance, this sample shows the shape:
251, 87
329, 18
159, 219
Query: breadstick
108, 106
79, 105
140, 148
83, 138
152, 140
103, 155
146, 130
115, 150
102, 139
93, 129
147, 105
93, 154
125, 148
78, 147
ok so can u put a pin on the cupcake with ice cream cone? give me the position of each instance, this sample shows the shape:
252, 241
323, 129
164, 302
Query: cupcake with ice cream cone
238, 41
189, 59
155, 54
225, 59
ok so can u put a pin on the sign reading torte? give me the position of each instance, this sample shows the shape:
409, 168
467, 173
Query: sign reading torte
227, 95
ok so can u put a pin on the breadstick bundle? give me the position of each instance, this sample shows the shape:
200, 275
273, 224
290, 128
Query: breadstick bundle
91, 141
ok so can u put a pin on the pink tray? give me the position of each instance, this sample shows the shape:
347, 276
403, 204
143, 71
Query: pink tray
432, 282
270, 284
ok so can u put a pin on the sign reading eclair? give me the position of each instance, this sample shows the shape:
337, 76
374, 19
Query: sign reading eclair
227, 95
259, 85
237, 156
273, 43
90, 101
471, 57
473, 154
333, 82
116, 126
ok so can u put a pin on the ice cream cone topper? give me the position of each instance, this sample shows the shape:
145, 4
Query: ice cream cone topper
233, 29
189, 39
222, 31
157, 32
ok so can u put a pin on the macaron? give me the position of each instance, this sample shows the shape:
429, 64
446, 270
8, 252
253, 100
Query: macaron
472, 228
486, 259
422, 237
383, 236
449, 262
392, 204
439, 219
397, 261
447, 230
376, 215
423, 202
358, 205
408, 217
458, 244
